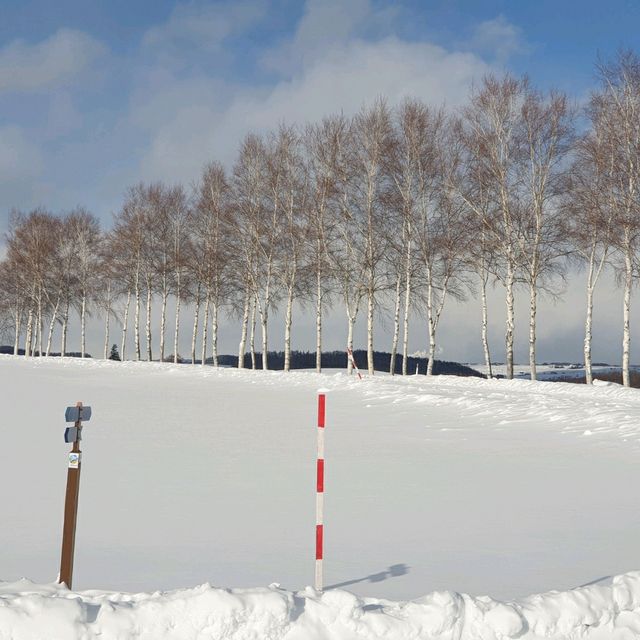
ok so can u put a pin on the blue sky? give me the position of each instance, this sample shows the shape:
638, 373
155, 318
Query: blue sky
97, 95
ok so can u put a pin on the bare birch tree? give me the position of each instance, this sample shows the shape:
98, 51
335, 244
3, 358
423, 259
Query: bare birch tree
588, 216
85, 234
324, 145
547, 137
371, 140
291, 239
619, 104
249, 213
492, 124
210, 230
412, 163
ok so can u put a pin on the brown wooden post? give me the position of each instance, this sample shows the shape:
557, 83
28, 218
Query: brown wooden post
71, 506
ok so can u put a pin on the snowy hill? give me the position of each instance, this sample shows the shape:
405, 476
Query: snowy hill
194, 475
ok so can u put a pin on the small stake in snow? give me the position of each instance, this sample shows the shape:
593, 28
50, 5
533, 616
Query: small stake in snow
72, 434
320, 492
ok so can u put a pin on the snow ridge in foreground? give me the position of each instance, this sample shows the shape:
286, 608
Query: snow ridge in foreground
608, 609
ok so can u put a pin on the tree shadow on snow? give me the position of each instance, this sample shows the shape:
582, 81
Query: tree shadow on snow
393, 571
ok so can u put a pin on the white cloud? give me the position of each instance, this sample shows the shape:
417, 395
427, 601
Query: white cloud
498, 38
204, 26
324, 25
205, 126
54, 61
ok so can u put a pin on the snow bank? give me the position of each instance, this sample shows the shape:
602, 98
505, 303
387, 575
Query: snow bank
608, 609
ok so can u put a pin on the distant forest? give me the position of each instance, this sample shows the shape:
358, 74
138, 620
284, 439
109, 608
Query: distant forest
307, 360
386, 214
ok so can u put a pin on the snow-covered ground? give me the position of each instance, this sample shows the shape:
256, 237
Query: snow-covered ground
193, 476
546, 371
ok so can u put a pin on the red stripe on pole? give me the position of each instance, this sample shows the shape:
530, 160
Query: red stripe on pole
320, 478
321, 402
319, 534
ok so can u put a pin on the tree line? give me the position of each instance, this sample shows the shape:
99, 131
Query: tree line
391, 211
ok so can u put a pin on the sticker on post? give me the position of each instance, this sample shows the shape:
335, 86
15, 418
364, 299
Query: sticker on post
74, 460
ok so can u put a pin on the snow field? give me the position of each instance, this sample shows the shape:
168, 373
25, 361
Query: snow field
442, 486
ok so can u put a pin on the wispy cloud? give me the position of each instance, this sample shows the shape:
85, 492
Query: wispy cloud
52, 62
500, 39
324, 25
203, 26
344, 78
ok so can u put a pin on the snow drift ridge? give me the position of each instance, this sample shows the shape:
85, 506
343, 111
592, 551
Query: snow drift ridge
607, 609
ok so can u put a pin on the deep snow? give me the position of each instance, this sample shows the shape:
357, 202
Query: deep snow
607, 611
195, 475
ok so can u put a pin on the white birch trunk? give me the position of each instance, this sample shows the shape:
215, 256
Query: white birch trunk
214, 334
396, 326
434, 320
351, 318
430, 323
51, 326
287, 330
205, 328
39, 324
532, 329
509, 284
125, 322
106, 322
29, 335
163, 322
65, 328
196, 320
176, 336
407, 297
243, 332
370, 307
252, 337
626, 336
318, 322
83, 317
405, 328
106, 334
265, 340
485, 324
136, 322
16, 340
588, 324
40, 334
148, 323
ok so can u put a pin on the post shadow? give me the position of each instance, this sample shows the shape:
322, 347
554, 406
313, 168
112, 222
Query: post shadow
393, 571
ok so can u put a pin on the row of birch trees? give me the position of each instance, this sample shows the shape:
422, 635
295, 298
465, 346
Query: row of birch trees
388, 213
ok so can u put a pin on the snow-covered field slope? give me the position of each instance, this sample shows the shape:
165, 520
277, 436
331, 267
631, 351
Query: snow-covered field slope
548, 372
195, 475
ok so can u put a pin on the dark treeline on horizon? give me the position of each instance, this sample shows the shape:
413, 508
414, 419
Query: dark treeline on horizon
386, 213
307, 360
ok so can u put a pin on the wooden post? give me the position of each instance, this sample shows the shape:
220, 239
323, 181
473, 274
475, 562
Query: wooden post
71, 506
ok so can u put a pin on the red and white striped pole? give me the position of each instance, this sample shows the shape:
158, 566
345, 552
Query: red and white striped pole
320, 492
